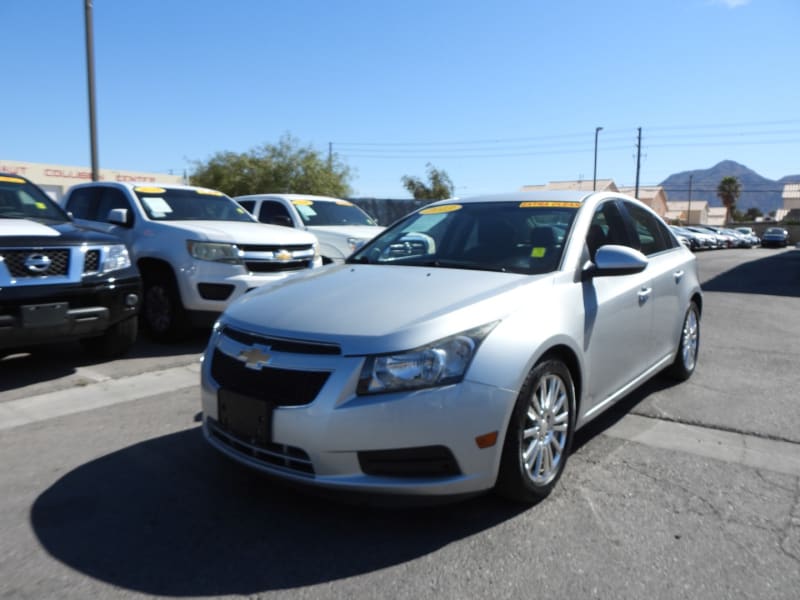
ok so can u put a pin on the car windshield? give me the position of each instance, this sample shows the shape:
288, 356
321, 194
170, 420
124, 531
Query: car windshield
774, 230
20, 199
340, 212
189, 204
517, 237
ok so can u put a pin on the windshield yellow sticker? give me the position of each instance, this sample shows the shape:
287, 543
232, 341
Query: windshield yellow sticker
12, 180
538, 252
549, 204
302, 202
149, 190
344, 203
41, 205
208, 192
438, 210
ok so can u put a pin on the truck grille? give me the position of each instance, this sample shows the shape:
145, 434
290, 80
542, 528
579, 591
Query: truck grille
270, 258
15, 262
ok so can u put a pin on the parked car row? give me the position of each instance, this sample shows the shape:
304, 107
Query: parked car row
709, 237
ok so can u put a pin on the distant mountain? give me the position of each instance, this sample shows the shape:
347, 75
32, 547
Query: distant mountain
757, 191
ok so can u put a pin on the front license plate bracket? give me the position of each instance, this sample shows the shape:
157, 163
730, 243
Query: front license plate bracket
246, 417
44, 315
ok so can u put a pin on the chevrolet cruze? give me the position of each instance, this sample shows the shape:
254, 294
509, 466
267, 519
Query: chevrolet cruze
458, 351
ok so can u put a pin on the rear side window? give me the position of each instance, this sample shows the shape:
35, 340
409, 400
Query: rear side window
82, 203
274, 213
651, 234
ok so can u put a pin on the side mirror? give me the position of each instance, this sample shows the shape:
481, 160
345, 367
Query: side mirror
119, 216
612, 260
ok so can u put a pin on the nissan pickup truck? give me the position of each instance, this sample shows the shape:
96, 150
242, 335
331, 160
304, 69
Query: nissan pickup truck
61, 282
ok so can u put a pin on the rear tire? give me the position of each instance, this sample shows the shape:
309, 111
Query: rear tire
115, 342
162, 311
539, 434
686, 357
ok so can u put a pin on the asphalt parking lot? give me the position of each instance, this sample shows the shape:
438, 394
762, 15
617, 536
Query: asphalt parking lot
689, 490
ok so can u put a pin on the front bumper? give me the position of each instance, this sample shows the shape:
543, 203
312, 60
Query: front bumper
37, 314
417, 443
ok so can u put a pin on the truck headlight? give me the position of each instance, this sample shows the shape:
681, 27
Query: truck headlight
441, 363
215, 252
115, 257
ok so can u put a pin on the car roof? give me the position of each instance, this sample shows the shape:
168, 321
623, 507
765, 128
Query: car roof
291, 197
141, 184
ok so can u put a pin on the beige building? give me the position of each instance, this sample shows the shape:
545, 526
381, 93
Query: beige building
679, 211
603, 185
55, 179
791, 196
654, 196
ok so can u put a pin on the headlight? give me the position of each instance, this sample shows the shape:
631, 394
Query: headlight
355, 243
440, 363
215, 251
115, 258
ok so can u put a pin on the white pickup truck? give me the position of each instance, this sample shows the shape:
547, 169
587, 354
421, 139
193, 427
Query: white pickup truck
196, 249
340, 226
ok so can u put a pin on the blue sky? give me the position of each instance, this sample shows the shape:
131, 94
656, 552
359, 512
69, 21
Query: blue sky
498, 93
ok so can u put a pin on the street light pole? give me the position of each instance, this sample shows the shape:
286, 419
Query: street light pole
689, 216
87, 11
594, 179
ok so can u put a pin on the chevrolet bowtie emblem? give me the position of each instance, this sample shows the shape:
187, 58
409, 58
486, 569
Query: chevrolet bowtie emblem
254, 358
283, 255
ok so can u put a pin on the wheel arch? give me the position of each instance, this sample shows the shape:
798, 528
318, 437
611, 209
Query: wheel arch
567, 355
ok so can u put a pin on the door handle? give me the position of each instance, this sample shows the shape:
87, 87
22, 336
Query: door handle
678, 275
644, 295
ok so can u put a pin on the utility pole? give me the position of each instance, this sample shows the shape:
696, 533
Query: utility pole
638, 161
330, 156
87, 11
689, 215
594, 180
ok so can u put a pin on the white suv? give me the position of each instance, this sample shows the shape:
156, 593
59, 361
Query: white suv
340, 226
196, 248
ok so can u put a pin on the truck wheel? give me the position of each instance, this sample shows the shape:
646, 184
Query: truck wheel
163, 313
116, 341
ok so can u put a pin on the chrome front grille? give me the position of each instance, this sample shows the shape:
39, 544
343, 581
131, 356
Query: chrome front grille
270, 258
31, 262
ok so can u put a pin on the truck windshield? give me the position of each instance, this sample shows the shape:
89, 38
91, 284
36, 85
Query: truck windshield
331, 213
20, 199
189, 204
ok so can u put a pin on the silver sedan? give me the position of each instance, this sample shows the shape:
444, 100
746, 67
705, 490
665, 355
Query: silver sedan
458, 351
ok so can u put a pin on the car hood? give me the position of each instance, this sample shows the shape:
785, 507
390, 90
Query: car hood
376, 308
27, 231
362, 232
243, 232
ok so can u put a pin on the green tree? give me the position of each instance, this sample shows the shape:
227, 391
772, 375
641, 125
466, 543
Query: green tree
729, 190
285, 167
753, 213
439, 185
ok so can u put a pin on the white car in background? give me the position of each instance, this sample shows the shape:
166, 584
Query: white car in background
196, 248
340, 226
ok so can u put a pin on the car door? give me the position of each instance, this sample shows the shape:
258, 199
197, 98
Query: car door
619, 316
667, 268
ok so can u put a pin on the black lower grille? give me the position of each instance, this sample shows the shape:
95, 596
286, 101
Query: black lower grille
282, 387
255, 266
276, 455
424, 461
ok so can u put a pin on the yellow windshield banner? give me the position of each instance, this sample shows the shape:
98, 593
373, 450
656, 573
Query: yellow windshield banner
549, 204
12, 180
438, 210
149, 190
344, 203
302, 202
208, 192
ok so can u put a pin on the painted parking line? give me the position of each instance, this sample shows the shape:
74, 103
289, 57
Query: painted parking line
105, 392
747, 450
751, 451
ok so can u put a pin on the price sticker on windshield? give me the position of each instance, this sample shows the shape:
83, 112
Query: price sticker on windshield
438, 210
549, 204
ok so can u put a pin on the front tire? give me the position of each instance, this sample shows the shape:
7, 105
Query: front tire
689, 346
163, 311
539, 434
115, 342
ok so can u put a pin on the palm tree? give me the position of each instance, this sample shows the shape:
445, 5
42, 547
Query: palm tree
729, 190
